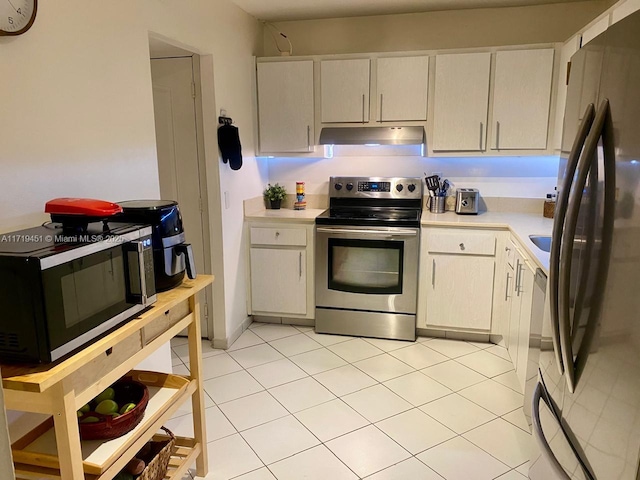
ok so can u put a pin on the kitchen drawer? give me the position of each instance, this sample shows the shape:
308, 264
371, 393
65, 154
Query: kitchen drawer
462, 242
278, 236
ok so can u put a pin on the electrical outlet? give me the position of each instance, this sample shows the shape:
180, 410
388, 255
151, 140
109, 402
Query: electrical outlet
226, 200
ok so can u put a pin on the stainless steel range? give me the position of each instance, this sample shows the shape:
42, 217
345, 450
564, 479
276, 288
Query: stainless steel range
367, 247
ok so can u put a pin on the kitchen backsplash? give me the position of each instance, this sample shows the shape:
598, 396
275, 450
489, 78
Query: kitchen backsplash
513, 177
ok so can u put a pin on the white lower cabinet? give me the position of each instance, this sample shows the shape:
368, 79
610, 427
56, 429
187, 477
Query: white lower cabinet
456, 279
278, 280
519, 295
280, 277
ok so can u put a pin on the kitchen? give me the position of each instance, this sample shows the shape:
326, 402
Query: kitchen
116, 159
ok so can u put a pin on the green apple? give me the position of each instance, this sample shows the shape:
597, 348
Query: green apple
107, 407
90, 419
127, 408
108, 394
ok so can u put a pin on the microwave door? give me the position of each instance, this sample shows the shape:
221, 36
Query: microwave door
86, 297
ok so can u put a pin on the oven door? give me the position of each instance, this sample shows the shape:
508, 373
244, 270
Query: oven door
372, 269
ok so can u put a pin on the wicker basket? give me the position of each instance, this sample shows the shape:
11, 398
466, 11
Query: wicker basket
156, 469
126, 390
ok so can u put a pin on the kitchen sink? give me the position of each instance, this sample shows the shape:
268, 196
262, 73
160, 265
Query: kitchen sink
543, 242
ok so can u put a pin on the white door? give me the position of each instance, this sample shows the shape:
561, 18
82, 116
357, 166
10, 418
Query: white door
402, 88
461, 101
178, 162
521, 99
461, 291
285, 106
345, 90
279, 281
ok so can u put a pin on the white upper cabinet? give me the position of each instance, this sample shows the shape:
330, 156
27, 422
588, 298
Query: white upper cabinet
624, 10
594, 30
285, 106
402, 89
522, 94
461, 101
344, 90
566, 52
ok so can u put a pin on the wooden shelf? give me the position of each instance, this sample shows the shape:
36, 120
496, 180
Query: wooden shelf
184, 455
59, 389
166, 394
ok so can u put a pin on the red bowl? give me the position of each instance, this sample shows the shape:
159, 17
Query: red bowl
127, 391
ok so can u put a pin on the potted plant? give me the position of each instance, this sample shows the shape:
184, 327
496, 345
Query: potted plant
275, 194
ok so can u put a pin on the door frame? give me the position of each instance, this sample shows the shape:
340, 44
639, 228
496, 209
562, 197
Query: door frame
209, 178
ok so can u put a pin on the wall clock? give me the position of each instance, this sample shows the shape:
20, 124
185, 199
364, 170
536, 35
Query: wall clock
17, 16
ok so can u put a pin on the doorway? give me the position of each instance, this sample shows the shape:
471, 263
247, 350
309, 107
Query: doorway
181, 166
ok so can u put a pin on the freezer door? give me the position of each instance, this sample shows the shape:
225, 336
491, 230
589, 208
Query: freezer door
554, 458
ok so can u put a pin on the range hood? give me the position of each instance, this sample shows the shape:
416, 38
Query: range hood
372, 136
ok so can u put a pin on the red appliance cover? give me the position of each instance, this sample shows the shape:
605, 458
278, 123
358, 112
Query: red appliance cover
87, 207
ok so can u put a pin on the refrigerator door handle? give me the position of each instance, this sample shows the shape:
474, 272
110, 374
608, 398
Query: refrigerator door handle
568, 237
545, 449
608, 214
558, 225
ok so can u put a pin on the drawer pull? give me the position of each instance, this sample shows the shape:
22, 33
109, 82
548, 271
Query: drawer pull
277, 234
462, 247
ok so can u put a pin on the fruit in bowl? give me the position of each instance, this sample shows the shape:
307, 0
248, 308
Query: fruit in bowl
115, 411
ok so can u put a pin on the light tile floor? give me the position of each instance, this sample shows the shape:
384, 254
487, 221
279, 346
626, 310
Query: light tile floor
286, 403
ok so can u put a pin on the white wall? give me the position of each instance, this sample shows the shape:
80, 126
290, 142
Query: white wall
523, 177
77, 112
442, 29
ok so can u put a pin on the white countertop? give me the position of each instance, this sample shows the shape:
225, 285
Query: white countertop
520, 224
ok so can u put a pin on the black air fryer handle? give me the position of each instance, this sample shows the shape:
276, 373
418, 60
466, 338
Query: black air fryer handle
185, 248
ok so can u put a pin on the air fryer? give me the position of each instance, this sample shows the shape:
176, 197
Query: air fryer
171, 254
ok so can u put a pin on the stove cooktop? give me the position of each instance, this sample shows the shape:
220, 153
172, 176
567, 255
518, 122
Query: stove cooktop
390, 217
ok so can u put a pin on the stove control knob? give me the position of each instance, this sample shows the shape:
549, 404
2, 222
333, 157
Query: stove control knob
349, 186
399, 187
338, 186
411, 187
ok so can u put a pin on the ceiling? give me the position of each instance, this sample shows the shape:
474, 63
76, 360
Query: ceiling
279, 10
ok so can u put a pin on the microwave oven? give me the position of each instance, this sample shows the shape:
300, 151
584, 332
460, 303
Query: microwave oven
60, 289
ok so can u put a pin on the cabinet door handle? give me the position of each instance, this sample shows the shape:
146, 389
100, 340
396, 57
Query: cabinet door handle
462, 247
309, 138
519, 278
481, 135
433, 274
277, 234
300, 264
497, 135
381, 99
363, 108
506, 288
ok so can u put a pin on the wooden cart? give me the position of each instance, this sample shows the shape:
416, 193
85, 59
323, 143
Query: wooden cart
60, 389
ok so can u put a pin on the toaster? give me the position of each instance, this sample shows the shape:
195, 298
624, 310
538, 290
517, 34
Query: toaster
467, 200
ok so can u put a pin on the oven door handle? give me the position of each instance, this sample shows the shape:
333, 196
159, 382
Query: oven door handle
377, 233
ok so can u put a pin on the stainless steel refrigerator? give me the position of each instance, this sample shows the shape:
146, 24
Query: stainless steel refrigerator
586, 407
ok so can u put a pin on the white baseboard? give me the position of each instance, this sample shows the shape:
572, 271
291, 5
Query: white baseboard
225, 343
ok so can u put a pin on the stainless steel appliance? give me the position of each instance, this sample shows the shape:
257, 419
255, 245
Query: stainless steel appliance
586, 409
62, 288
467, 200
172, 255
367, 248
